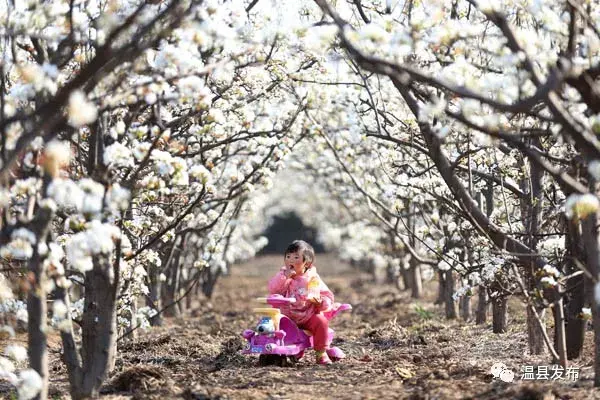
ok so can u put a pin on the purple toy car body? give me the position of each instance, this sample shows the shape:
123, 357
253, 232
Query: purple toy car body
277, 338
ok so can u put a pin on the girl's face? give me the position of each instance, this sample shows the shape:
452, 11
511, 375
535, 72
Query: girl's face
296, 262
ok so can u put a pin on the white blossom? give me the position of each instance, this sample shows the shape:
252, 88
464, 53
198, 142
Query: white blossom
56, 155
97, 239
200, 173
59, 309
551, 271
16, 352
30, 384
586, 313
6, 366
548, 281
66, 193
81, 110
118, 198
581, 205
118, 155
93, 193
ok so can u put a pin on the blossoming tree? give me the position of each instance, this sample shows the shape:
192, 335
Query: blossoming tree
141, 139
514, 87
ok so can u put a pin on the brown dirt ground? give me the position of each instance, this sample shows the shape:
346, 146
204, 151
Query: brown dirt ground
393, 351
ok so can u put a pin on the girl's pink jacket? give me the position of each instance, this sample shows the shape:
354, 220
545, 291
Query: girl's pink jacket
304, 287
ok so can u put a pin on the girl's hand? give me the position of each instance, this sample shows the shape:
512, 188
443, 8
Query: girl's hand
315, 300
289, 272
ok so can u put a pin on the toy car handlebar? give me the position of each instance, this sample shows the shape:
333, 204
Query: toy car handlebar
276, 300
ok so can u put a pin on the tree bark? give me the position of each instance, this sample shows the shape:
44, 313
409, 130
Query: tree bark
592, 248
450, 304
209, 280
380, 274
575, 325
399, 281
414, 270
531, 209
482, 305
535, 336
466, 311
154, 299
466, 308
71, 355
482, 293
441, 288
37, 324
133, 320
416, 290
98, 330
171, 289
405, 276
499, 314
113, 347
559, 331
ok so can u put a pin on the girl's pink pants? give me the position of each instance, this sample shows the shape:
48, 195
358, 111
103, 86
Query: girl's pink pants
318, 325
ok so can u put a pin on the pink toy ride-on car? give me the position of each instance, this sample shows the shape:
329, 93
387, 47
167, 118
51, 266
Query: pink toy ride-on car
278, 340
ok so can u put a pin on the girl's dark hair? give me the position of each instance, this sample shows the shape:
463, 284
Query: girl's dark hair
307, 251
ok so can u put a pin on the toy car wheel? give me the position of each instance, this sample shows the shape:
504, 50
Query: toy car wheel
272, 359
265, 359
268, 359
297, 357
293, 360
284, 362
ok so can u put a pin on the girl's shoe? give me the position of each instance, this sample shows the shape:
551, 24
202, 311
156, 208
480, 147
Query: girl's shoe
298, 356
323, 358
335, 354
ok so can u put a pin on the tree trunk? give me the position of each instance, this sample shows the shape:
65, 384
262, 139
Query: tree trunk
482, 305
499, 314
531, 209
113, 347
98, 330
416, 290
596, 323
171, 290
441, 296
390, 277
188, 301
559, 331
36, 304
534, 331
185, 277
379, 274
154, 299
414, 270
399, 282
71, 355
37, 326
465, 307
482, 293
449, 292
210, 277
133, 321
575, 325
405, 276
592, 249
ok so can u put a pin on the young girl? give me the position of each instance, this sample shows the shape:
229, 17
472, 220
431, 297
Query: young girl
314, 301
